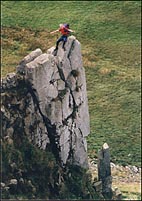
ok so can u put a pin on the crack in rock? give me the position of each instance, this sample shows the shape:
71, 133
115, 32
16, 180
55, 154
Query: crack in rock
51, 129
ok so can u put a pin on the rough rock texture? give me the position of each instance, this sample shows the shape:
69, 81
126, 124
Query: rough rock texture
104, 171
47, 100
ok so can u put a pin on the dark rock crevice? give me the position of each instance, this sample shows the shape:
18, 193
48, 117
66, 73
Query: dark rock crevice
51, 129
75, 107
70, 51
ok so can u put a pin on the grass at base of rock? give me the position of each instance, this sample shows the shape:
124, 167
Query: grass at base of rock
130, 191
114, 107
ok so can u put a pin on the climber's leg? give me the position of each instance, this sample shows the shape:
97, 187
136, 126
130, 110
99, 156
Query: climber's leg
64, 42
58, 41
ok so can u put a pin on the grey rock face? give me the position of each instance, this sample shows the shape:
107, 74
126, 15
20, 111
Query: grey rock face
58, 89
30, 57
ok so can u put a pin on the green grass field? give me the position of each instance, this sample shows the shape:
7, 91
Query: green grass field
109, 32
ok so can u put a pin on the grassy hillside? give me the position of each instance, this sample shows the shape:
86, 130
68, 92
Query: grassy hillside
109, 32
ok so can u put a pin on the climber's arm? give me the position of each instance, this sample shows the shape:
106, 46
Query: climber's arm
71, 30
54, 31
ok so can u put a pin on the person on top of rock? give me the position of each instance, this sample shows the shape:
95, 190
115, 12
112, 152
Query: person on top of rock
65, 31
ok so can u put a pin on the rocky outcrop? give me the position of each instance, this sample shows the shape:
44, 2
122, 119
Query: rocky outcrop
47, 100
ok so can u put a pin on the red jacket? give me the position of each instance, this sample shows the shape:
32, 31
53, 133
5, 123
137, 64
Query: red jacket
64, 31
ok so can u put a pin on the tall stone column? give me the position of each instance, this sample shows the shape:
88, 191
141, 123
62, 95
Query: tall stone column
58, 87
104, 171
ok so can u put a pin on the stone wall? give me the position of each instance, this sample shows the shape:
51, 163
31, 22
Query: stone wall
47, 101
